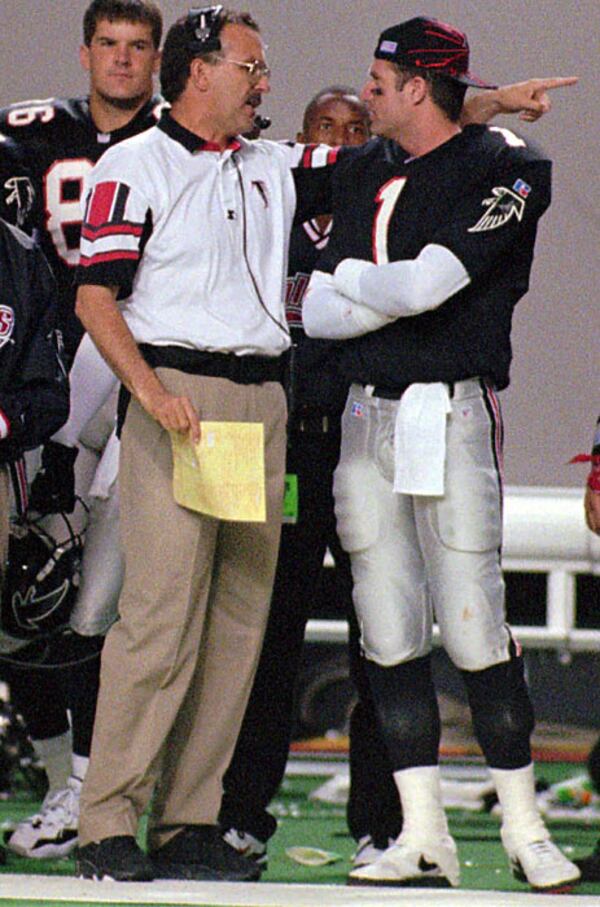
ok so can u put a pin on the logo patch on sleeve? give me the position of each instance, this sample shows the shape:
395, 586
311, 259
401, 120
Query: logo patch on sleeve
7, 323
20, 194
522, 188
504, 204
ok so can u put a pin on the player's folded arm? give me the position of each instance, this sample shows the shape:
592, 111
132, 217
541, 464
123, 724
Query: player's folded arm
403, 288
328, 314
484, 229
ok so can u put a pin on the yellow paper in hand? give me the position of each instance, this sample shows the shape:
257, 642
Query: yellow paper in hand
224, 474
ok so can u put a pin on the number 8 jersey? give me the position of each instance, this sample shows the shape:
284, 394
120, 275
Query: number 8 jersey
60, 145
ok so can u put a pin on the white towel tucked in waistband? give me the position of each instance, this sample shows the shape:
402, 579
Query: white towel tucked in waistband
420, 439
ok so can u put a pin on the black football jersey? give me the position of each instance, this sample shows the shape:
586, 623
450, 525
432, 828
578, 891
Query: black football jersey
16, 188
34, 391
317, 382
61, 144
480, 195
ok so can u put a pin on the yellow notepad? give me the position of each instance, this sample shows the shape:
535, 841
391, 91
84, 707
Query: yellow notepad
224, 474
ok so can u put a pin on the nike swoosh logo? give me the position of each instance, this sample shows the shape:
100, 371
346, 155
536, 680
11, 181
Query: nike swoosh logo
426, 866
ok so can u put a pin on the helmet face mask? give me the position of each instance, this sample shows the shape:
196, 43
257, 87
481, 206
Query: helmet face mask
40, 582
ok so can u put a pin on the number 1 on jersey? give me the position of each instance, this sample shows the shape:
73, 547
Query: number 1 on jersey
386, 198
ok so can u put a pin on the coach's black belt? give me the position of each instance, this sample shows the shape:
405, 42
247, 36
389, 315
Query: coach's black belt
240, 369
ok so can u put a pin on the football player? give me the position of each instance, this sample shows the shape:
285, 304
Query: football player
61, 139
433, 234
335, 116
34, 392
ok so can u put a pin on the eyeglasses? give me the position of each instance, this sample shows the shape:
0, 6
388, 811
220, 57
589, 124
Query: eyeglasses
256, 69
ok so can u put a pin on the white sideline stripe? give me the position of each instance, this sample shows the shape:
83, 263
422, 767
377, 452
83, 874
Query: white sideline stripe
39, 889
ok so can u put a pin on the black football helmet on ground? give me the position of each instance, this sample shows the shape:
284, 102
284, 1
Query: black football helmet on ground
40, 582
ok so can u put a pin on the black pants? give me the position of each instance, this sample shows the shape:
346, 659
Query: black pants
258, 764
42, 691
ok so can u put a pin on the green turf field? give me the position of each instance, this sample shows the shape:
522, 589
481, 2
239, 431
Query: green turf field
317, 825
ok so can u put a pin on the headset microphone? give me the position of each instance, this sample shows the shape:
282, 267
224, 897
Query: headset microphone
261, 122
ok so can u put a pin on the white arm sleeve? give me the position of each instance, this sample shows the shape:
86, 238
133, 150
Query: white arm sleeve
403, 288
329, 315
91, 382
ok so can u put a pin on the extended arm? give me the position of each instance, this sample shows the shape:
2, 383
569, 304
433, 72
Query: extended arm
529, 99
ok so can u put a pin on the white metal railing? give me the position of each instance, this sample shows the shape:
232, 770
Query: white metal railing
544, 532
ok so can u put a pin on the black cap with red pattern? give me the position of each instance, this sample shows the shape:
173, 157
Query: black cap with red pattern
431, 45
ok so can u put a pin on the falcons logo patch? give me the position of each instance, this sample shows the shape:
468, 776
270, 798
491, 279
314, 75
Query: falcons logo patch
19, 193
504, 204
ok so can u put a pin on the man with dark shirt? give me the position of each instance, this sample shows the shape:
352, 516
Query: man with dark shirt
34, 391
62, 138
431, 249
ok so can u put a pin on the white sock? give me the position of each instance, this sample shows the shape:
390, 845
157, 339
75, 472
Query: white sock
521, 820
55, 753
79, 766
423, 813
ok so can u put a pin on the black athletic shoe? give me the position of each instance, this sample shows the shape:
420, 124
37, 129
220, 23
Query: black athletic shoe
118, 858
590, 865
199, 852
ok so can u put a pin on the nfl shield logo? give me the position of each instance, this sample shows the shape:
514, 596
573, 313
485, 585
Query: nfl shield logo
522, 188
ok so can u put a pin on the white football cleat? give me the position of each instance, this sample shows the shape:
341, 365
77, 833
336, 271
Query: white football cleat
543, 866
53, 831
432, 864
366, 852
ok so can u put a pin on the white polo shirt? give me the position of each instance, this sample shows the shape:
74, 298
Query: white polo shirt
196, 238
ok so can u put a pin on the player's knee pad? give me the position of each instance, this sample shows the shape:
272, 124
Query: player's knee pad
502, 713
407, 711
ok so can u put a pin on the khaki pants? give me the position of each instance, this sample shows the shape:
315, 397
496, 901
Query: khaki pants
177, 667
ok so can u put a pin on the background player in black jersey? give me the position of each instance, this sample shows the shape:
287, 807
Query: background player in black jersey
431, 248
34, 391
60, 140
63, 138
335, 116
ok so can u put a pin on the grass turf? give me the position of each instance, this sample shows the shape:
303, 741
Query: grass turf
303, 822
